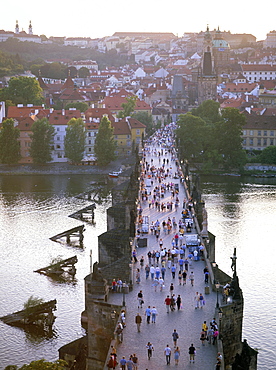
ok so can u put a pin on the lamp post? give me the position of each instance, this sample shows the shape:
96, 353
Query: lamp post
217, 287
124, 294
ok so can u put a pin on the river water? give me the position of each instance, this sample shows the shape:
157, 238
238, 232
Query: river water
241, 214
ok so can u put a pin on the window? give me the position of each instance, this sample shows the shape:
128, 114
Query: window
244, 132
58, 146
271, 142
265, 133
265, 142
89, 134
244, 141
251, 142
89, 142
89, 149
251, 132
57, 128
58, 138
271, 133
259, 133
137, 132
259, 142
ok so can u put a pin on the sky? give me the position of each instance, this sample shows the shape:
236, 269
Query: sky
101, 18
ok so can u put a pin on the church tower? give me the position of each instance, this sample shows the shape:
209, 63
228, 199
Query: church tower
207, 79
30, 28
16, 28
221, 52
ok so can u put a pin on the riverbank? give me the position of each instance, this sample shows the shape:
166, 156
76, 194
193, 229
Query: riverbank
58, 169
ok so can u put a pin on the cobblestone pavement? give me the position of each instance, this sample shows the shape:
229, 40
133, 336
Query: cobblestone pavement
187, 321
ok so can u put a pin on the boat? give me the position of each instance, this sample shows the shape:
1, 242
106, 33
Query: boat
115, 174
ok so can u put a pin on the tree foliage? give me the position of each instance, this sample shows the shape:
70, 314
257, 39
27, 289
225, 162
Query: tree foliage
268, 155
42, 136
81, 106
191, 135
208, 111
9, 144
74, 141
22, 90
211, 138
40, 365
83, 72
128, 107
10, 64
105, 145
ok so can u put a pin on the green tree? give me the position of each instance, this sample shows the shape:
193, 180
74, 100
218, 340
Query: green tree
9, 144
104, 144
208, 111
40, 365
128, 107
191, 135
228, 138
268, 155
22, 90
74, 140
83, 72
42, 136
81, 106
146, 119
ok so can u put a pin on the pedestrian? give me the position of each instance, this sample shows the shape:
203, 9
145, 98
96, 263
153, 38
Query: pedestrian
206, 277
176, 355
123, 363
168, 303
140, 299
171, 289
196, 299
138, 276
142, 262
135, 361
147, 270
134, 255
175, 337
192, 352
180, 277
204, 326
201, 300
155, 283
161, 284
129, 364
210, 333
173, 302
150, 349
148, 314
138, 321
178, 302
154, 313
173, 269
167, 353
163, 271
119, 332
203, 337
111, 362
184, 275
192, 278
152, 272
215, 336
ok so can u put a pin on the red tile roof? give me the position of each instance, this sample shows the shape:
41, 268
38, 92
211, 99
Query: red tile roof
121, 128
62, 117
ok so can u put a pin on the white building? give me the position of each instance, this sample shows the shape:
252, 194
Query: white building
257, 72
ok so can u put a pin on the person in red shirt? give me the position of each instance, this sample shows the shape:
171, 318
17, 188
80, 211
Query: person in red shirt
168, 303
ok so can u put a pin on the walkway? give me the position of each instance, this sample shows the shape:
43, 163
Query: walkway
187, 321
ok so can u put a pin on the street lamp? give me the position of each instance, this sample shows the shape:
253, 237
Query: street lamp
217, 287
124, 295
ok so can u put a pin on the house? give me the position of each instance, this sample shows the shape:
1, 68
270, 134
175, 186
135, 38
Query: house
268, 98
126, 132
257, 72
259, 132
59, 120
114, 103
92, 119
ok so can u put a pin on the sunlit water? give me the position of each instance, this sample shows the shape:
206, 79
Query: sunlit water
242, 214
34, 208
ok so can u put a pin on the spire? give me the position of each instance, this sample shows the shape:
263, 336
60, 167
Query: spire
30, 28
16, 27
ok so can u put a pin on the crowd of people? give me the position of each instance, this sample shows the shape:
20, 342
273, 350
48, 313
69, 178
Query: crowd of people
168, 263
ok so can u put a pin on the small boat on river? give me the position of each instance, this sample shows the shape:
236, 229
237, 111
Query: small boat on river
115, 174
